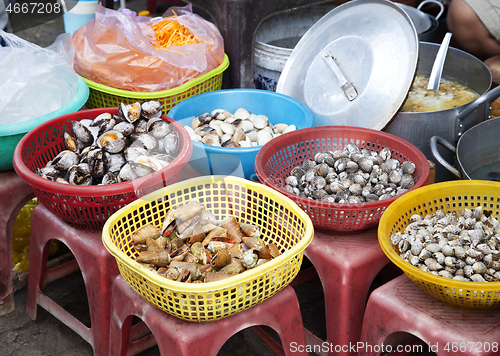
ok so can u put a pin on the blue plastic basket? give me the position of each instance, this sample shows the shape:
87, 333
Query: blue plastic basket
10, 134
209, 160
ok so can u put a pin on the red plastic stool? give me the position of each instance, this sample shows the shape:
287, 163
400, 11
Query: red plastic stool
97, 266
178, 337
14, 193
401, 306
347, 264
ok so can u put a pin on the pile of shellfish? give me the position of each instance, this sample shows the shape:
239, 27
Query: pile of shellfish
242, 129
351, 175
462, 245
115, 148
193, 246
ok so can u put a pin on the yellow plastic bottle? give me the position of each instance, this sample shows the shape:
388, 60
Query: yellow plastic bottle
21, 237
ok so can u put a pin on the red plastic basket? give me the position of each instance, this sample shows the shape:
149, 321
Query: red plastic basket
276, 159
87, 207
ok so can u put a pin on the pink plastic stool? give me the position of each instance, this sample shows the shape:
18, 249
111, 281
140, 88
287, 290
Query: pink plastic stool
98, 268
347, 264
401, 306
178, 337
14, 193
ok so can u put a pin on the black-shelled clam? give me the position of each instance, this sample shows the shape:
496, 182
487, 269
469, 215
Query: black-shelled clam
115, 148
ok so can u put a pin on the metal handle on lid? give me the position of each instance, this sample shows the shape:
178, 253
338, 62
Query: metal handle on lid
349, 89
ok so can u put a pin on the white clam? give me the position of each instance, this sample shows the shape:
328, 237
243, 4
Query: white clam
242, 128
264, 137
245, 144
279, 128
216, 124
196, 138
260, 122
268, 129
242, 113
220, 114
252, 117
245, 125
252, 135
227, 128
190, 131
226, 137
290, 128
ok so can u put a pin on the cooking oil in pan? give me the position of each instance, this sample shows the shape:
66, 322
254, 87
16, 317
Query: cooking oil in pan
488, 172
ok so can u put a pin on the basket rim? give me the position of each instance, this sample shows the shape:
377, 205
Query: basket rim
75, 103
307, 122
278, 141
163, 93
395, 209
89, 191
217, 285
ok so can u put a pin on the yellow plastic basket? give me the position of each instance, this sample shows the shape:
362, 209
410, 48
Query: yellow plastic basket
103, 96
447, 196
280, 220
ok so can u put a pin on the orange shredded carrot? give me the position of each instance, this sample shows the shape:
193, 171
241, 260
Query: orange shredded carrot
169, 32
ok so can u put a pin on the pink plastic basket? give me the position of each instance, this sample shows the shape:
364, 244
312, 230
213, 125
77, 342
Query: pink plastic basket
86, 207
276, 159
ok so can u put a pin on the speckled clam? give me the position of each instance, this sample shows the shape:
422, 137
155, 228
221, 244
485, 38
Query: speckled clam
462, 245
115, 148
351, 175
241, 129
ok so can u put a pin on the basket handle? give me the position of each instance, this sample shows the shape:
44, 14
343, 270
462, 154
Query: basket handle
434, 141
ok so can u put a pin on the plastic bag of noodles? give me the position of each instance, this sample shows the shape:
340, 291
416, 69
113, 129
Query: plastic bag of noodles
136, 53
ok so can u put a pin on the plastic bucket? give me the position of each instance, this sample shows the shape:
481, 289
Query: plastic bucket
275, 39
77, 13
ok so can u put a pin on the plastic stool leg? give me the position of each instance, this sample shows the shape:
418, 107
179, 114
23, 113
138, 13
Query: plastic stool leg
401, 306
39, 253
178, 337
98, 269
347, 265
15, 193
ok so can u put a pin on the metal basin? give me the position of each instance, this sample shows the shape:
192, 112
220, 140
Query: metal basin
427, 26
477, 152
450, 124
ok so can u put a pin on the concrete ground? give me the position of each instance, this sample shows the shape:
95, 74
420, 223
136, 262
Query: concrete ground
20, 336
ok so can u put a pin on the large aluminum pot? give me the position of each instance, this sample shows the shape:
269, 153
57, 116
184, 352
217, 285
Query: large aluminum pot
477, 152
418, 128
427, 25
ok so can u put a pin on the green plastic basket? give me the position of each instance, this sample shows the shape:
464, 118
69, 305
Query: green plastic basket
104, 96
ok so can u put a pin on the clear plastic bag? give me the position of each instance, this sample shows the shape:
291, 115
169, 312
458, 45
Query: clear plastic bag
35, 81
115, 49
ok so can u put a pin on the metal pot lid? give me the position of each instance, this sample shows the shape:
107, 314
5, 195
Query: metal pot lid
355, 65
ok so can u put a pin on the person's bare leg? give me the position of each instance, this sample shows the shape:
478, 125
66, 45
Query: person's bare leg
469, 32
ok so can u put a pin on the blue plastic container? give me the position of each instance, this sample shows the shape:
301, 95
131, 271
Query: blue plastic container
238, 162
79, 14
11, 134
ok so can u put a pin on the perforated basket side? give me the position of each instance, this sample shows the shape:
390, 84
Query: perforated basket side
105, 96
275, 161
86, 206
446, 196
279, 219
